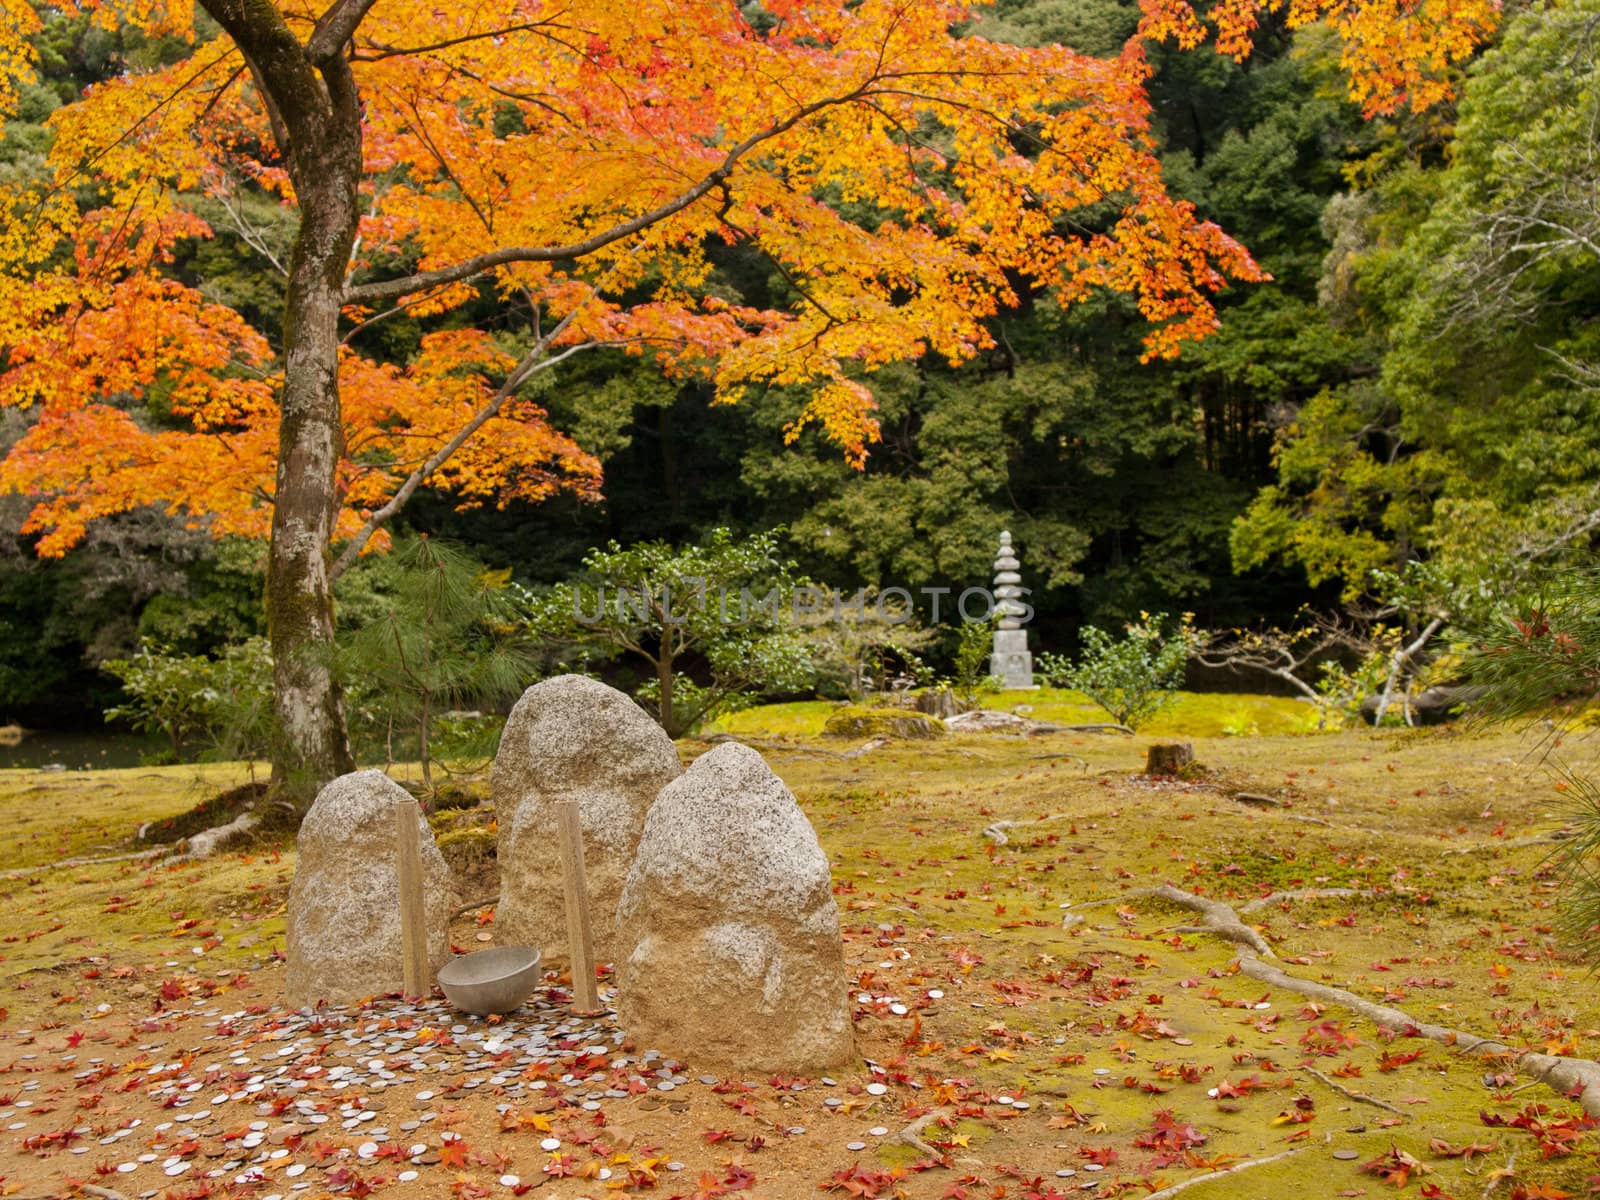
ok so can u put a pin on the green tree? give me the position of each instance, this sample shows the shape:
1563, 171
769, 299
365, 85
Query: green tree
1471, 279
722, 606
859, 646
1133, 678
442, 637
219, 705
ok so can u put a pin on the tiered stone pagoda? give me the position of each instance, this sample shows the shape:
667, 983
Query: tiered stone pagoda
1010, 662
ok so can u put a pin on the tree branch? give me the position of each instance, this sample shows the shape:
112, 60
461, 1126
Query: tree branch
390, 289
336, 27
533, 361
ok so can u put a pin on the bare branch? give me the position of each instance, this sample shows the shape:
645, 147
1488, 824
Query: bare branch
531, 364
251, 235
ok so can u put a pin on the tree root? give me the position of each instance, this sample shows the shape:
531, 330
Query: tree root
1256, 798
1363, 1097
1384, 834
473, 907
1216, 918
911, 1134
866, 747
66, 863
208, 841
1577, 1077
1261, 902
1543, 839
201, 845
996, 832
1167, 1192
796, 751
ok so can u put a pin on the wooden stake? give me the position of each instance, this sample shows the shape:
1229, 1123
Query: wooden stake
413, 924
580, 943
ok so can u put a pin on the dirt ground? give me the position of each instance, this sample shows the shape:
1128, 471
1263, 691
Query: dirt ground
147, 1052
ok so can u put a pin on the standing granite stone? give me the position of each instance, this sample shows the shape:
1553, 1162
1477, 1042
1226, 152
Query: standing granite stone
1010, 662
572, 738
730, 954
344, 905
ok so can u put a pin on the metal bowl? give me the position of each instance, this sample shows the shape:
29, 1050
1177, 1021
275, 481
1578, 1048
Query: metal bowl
491, 981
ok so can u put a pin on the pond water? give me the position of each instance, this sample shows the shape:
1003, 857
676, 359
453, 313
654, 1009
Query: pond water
76, 751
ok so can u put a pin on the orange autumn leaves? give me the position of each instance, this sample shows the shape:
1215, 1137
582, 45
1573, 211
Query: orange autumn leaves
1396, 53
901, 183
205, 439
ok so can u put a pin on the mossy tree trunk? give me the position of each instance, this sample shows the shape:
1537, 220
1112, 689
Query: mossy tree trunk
311, 99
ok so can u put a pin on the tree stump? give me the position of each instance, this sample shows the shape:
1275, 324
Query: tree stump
941, 703
1168, 758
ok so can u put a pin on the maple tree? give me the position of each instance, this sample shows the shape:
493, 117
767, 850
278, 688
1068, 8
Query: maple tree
581, 164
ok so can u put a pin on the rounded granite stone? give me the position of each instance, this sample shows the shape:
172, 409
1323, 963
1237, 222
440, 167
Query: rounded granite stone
572, 738
730, 953
343, 940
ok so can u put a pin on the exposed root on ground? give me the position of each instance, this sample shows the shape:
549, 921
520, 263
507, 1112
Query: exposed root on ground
996, 832
1384, 834
793, 750
19, 872
911, 1135
1261, 902
1216, 918
1363, 1097
1256, 798
1543, 839
1167, 1192
1576, 1077
208, 841
1057, 755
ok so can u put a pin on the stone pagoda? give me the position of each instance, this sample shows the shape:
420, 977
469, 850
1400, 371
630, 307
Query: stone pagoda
1010, 663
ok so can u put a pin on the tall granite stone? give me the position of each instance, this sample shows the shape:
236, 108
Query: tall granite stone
572, 738
1010, 661
730, 954
344, 939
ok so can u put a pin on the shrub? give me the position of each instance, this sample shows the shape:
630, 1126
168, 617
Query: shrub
722, 606
1133, 678
205, 707
974, 643
1541, 657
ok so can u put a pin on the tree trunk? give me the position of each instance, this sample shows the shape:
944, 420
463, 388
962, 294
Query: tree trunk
669, 719
315, 115
422, 742
1402, 658
314, 746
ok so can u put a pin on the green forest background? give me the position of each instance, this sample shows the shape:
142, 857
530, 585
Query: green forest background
1403, 420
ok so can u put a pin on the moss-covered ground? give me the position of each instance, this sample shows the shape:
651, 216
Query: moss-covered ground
1140, 1057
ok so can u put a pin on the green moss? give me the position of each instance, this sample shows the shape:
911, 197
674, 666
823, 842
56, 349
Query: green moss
857, 722
1464, 939
1193, 714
